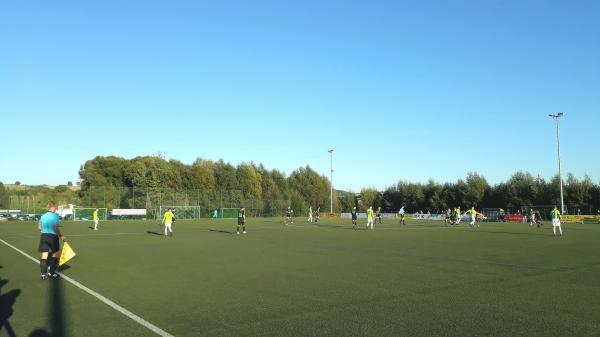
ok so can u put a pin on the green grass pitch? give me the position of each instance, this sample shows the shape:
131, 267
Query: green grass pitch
422, 279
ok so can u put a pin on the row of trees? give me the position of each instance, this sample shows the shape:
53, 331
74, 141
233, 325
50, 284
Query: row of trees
522, 189
149, 181
204, 182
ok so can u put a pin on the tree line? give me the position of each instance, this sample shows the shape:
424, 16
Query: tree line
522, 189
115, 182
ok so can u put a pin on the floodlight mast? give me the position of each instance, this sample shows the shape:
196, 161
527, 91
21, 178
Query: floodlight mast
331, 181
557, 117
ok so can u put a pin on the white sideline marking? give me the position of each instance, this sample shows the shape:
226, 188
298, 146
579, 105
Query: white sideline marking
106, 301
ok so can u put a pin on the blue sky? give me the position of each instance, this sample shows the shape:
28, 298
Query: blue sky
401, 90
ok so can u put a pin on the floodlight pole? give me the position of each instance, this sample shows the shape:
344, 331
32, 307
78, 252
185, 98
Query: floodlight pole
331, 181
557, 117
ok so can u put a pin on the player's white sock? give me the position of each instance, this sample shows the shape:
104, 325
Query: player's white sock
560, 230
554, 230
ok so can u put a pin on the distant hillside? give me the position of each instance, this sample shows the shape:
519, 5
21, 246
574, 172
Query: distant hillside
29, 187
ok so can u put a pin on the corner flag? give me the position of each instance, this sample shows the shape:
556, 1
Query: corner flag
66, 255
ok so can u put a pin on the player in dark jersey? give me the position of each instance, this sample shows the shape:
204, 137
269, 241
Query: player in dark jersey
289, 216
354, 218
241, 220
402, 214
379, 215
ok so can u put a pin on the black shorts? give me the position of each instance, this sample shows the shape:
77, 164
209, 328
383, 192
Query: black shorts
353, 217
241, 221
48, 243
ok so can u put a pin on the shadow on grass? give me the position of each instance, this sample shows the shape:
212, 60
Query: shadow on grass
7, 301
64, 267
335, 226
155, 233
478, 230
56, 313
221, 231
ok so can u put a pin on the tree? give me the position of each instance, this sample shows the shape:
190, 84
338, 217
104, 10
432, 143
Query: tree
367, 198
476, 189
4, 199
250, 181
69, 183
17, 183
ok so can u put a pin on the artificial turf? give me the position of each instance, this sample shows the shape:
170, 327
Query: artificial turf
325, 279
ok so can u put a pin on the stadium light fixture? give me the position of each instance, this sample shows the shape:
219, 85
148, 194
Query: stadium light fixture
331, 180
557, 117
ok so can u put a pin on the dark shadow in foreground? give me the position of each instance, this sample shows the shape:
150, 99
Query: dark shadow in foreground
56, 313
7, 300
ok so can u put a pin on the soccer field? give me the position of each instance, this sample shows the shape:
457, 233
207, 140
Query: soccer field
422, 279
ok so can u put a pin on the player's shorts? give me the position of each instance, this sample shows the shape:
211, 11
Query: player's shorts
241, 221
48, 243
354, 217
556, 222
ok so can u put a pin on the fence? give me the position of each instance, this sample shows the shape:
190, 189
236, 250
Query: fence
151, 199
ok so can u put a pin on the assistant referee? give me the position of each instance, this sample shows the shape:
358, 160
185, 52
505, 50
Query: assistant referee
49, 226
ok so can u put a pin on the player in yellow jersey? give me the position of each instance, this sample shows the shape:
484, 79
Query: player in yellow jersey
168, 222
370, 218
473, 213
556, 221
96, 219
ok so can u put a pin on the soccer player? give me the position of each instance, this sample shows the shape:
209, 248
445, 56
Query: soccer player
168, 222
402, 213
288, 216
242, 220
215, 214
556, 221
354, 218
96, 219
458, 216
310, 215
318, 214
473, 214
49, 227
379, 216
538, 219
448, 217
370, 219
531, 217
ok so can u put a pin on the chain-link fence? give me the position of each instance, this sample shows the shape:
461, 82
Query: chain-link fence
151, 199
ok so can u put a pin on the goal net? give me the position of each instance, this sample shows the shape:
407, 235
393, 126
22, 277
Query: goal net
229, 213
87, 214
181, 212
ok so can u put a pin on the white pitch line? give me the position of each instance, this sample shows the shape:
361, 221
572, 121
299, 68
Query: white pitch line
106, 301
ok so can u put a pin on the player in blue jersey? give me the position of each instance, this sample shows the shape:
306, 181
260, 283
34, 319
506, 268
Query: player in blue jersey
49, 246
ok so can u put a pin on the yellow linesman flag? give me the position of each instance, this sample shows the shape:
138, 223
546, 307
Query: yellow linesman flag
66, 255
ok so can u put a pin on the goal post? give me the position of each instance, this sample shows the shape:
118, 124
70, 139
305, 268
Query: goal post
87, 214
181, 212
229, 213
